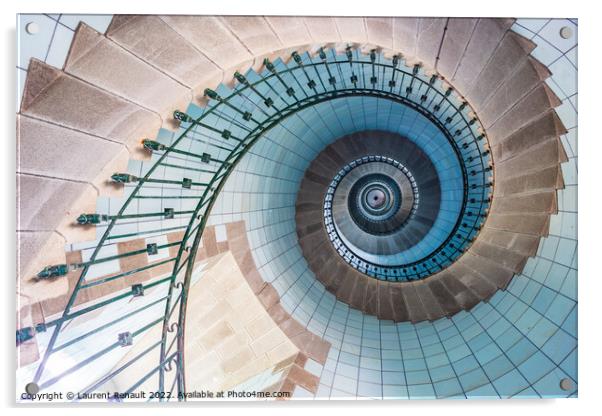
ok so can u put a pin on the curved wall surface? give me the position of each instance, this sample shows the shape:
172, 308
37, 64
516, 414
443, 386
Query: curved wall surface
522, 341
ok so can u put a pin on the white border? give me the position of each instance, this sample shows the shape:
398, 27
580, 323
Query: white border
590, 149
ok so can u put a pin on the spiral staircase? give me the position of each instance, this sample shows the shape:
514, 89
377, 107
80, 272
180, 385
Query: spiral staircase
181, 159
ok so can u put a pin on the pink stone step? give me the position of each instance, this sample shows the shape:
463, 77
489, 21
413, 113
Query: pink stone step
429, 301
212, 38
428, 40
536, 132
512, 51
352, 29
520, 243
533, 224
254, 32
101, 62
385, 301
546, 179
447, 301
380, 31
457, 36
506, 258
528, 109
497, 274
487, 34
154, 41
545, 155
54, 96
322, 29
42, 147
468, 287
532, 202
400, 310
416, 311
517, 84
405, 34
291, 30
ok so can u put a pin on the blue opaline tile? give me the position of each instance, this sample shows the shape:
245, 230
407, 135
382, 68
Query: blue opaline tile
510, 383
447, 388
497, 367
421, 391
569, 365
536, 367
473, 379
441, 373
560, 309
559, 345
394, 392
484, 392
417, 377
541, 332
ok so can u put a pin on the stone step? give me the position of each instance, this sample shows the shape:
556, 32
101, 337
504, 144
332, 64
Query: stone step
358, 295
428, 40
545, 155
46, 203
462, 294
43, 145
386, 309
528, 109
90, 109
519, 83
497, 274
519, 243
538, 131
532, 224
101, 62
507, 259
352, 29
380, 32
455, 41
152, 40
38, 249
347, 283
213, 39
254, 32
447, 300
485, 38
510, 54
371, 298
531, 202
290, 30
400, 310
322, 29
429, 301
415, 308
545, 179
468, 287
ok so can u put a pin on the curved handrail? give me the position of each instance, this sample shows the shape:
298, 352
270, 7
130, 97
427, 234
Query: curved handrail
460, 130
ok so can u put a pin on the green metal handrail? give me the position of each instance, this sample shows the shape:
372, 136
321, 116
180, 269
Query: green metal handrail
459, 126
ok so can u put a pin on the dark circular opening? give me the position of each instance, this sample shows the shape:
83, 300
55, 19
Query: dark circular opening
373, 201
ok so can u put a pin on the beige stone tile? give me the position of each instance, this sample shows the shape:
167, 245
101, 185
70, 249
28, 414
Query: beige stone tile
233, 345
246, 371
217, 334
281, 352
259, 326
267, 341
237, 361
